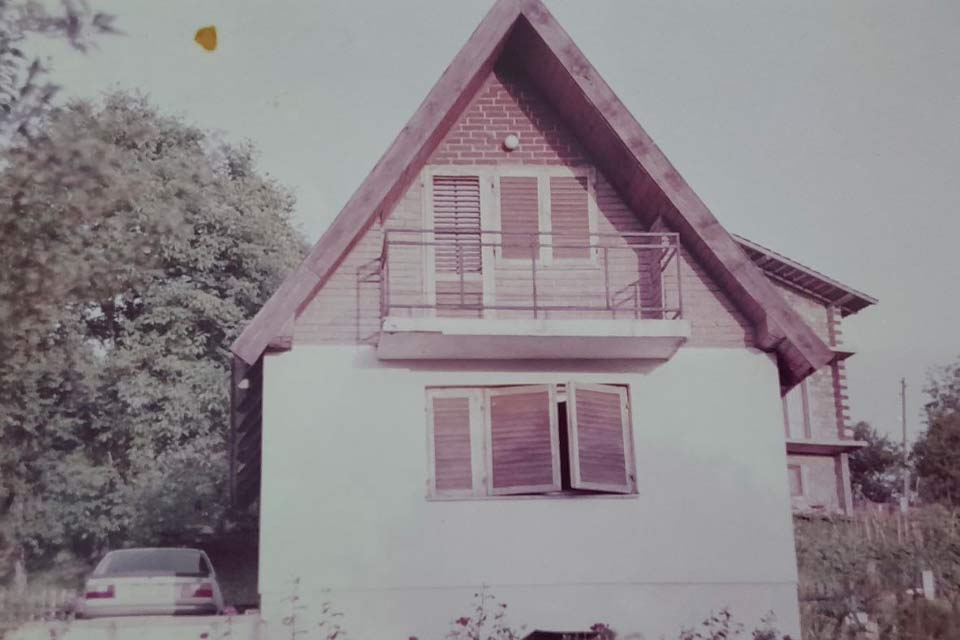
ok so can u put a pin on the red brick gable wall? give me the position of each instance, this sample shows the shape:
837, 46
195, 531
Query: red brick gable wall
505, 104
346, 309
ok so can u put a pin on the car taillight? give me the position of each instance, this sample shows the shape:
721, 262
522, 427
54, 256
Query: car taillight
204, 590
94, 592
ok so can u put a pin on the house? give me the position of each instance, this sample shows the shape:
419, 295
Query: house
526, 355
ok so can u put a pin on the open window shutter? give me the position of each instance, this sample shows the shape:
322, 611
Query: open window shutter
456, 223
524, 450
451, 413
570, 217
598, 424
520, 217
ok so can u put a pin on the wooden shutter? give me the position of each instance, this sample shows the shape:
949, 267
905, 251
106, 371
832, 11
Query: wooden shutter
520, 217
524, 447
456, 223
601, 448
452, 415
570, 217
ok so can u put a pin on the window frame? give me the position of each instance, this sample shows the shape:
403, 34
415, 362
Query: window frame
804, 403
490, 215
481, 445
430, 275
802, 473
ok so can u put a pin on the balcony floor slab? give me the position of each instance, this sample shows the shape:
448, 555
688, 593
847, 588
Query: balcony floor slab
541, 339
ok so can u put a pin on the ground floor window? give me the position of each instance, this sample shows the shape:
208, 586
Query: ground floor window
795, 472
532, 439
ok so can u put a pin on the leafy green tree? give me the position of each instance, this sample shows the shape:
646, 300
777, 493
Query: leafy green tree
25, 93
936, 453
148, 244
943, 389
874, 469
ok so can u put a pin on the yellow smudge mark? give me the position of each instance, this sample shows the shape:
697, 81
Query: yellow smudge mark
207, 37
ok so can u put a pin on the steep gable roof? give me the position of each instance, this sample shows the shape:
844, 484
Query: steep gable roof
525, 31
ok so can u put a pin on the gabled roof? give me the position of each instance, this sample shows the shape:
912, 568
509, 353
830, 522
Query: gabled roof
526, 32
805, 279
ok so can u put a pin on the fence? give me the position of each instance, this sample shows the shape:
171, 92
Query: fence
33, 604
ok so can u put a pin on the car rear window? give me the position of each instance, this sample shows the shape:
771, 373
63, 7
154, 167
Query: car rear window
165, 562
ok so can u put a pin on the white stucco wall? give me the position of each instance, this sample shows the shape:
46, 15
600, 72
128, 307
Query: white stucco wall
344, 506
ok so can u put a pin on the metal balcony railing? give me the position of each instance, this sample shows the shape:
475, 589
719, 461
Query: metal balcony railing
473, 273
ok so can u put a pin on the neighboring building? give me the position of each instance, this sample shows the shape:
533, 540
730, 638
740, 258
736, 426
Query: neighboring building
526, 355
816, 422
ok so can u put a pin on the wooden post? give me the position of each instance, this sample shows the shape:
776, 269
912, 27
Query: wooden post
905, 499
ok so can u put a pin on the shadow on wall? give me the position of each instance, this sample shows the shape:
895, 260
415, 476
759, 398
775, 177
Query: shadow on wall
234, 558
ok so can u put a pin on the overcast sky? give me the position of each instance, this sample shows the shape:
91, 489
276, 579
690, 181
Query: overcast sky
828, 131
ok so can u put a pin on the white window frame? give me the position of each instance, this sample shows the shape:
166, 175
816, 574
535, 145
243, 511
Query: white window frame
802, 496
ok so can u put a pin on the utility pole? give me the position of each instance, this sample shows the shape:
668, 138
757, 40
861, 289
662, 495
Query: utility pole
905, 500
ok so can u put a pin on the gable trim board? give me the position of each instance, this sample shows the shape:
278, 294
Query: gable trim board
624, 152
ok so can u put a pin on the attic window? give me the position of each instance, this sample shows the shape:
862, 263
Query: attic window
531, 439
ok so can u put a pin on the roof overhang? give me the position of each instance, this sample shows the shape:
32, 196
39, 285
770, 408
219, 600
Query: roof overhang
525, 34
823, 447
806, 280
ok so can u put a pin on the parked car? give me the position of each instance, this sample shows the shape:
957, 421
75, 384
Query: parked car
166, 581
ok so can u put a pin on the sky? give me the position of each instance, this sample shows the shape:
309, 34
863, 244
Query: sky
828, 131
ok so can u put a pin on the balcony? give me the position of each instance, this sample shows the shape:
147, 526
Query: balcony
471, 294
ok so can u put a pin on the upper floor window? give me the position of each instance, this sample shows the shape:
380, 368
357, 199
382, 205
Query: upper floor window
541, 213
532, 439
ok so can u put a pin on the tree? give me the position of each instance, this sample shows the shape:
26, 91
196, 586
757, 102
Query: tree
24, 92
943, 389
936, 453
117, 414
874, 468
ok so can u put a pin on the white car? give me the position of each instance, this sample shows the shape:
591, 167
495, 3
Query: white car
163, 581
